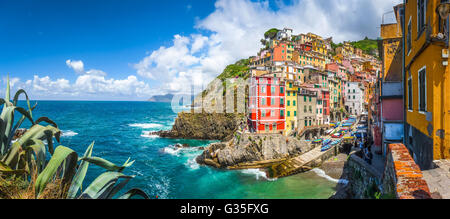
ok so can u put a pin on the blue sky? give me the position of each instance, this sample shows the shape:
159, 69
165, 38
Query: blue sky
39, 36
138, 48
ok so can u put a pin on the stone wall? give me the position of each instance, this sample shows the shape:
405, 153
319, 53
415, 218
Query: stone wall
364, 179
422, 147
402, 176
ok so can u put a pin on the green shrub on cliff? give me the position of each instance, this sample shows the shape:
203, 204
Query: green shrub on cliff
271, 33
239, 69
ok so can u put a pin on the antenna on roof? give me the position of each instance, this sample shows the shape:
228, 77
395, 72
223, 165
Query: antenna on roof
382, 17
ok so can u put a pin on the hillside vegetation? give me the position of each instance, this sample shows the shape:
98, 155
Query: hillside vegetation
367, 45
238, 69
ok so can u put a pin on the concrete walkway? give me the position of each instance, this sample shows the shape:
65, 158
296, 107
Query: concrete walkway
296, 164
438, 179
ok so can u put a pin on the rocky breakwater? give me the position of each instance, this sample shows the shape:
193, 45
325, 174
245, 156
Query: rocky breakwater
205, 126
252, 151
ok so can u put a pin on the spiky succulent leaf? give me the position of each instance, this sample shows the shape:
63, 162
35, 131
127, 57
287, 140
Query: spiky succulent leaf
40, 133
36, 152
103, 185
47, 120
107, 164
6, 170
8, 90
19, 123
134, 192
62, 154
78, 179
12, 157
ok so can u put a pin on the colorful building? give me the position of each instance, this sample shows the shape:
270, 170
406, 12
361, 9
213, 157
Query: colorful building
387, 123
267, 104
292, 90
427, 82
307, 100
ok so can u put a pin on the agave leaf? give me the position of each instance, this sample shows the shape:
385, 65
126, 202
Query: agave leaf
16, 98
61, 154
12, 157
19, 123
106, 164
80, 175
117, 188
47, 120
5, 169
38, 149
102, 185
7, 117
8, 89
40, 133
3, 147
134, 192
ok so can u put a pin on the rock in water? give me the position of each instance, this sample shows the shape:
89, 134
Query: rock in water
252, 148
205, 126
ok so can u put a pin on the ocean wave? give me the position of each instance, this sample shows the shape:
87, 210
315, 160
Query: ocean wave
172, 150
68, 133
146, 125
259, 174
161, 187
322, 173
146, 134
192, 163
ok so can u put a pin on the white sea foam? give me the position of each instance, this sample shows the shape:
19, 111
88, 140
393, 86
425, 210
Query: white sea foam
322, 173
146, 125
257, 173
191, 163
146, 134
172, 150
68, 133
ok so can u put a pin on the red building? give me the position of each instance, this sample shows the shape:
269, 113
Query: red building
306, 47
267, 105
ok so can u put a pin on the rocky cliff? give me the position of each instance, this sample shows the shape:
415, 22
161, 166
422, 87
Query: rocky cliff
252, 151
206, 126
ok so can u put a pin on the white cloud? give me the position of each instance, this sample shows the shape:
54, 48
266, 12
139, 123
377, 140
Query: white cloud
91, 84
77, 66
231, 32
236, 27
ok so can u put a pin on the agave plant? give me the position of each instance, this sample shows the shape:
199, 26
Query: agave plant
26, 157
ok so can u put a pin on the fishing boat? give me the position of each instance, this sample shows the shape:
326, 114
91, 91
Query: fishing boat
317, 141
330, 145
326, 142
326, 148
336, 142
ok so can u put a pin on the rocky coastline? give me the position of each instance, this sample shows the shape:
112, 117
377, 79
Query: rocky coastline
204, 126
252, 151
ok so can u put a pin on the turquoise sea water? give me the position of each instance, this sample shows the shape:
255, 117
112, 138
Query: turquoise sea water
119, 131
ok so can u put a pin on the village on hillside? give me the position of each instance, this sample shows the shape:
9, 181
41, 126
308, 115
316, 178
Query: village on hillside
300, 81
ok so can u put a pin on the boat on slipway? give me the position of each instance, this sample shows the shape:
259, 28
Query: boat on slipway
330, 145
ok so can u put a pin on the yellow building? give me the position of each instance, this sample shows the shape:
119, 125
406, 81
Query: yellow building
427, 82
291, 105
333, 86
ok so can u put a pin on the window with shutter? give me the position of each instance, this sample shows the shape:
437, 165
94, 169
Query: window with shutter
421, 14
410, 94
422, 90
